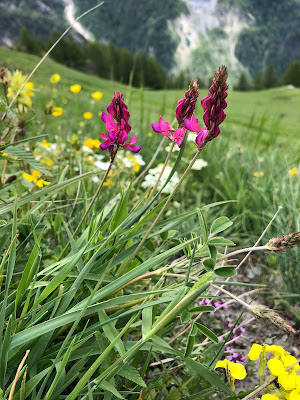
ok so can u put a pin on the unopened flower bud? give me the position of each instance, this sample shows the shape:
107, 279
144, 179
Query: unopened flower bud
284, 242
270, 316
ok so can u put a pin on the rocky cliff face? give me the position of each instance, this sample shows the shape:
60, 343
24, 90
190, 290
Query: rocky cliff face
207, 37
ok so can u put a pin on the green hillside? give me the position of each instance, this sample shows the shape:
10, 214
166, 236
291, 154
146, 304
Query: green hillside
265, 114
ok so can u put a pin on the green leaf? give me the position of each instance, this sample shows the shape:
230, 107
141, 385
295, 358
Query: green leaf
226, 271
202, 225
209, 375
146, 320
130, 373
27, 157
209, 264
189, 346
207, 332
202, 309
185, 316
121, 212
220, 241
108, 386
220, 224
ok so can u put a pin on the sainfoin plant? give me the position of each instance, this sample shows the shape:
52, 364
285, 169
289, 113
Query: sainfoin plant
95, 320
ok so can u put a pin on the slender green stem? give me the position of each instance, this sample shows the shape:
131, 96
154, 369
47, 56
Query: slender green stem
162, 171
163, 208
90, 205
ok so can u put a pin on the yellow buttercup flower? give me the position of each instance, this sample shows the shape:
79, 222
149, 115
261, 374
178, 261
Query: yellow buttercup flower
55, 78
258, 174
75, 88
97, 96
44, 143
29, 85
57, 111
91, 143
293, 171
87, 115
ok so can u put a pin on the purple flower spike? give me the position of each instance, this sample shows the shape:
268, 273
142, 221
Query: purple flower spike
116, 123
186, 106
213, 106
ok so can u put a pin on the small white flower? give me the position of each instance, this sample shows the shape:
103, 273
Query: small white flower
151, 178
199, 164
102, 165
87, 149
95, 179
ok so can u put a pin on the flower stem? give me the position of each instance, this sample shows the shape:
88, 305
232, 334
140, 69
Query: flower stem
163, 208
260, 248
232, 296
162, 171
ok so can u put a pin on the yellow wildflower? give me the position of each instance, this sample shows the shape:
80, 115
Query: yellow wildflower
87, 115
55, 78
269, 397
75, 88
97, 96
40, 183
258, 174
107, 182
293, 171
255, 352
44, 143
29, 93
16, 81
34, 177
150, 134
57, 111
81, 123
29, 85
295, 394
91, 143
237, 370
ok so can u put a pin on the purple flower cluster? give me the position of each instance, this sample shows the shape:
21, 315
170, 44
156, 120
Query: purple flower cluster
234, 356
116, 123
213, 106
217, 303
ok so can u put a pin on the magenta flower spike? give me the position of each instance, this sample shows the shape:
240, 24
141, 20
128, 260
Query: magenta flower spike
116, 123
213, 106
185, 109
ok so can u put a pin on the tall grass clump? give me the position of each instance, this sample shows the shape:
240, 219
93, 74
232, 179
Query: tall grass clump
100, 274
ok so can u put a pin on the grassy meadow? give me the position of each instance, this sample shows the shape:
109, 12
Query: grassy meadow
101, 301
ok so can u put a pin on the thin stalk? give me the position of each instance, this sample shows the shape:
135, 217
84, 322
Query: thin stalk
250, 249
162, 171
243, 303
12, 390
90, 205
163, 208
